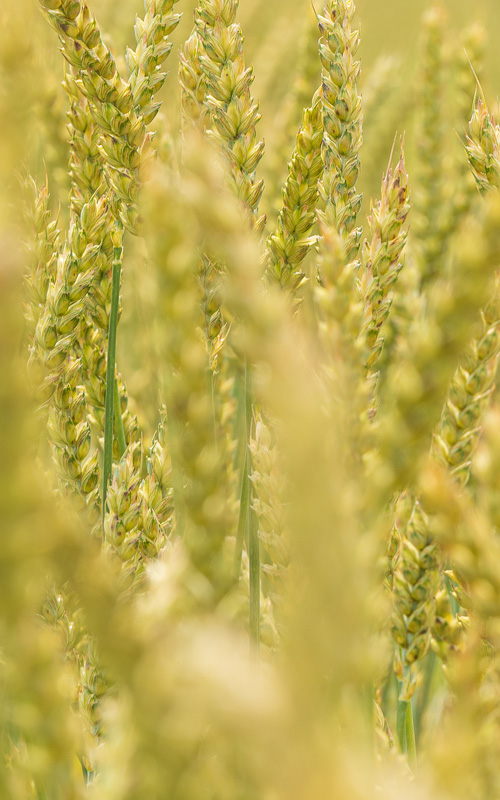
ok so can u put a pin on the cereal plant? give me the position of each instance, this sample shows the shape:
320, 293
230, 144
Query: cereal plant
250, 424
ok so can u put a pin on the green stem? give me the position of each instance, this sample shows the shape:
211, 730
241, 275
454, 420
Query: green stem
424, 693
400, 724
111, 360
118, 419
244, 418
411, 749
242, 517
455, 606
406, 730
240, 425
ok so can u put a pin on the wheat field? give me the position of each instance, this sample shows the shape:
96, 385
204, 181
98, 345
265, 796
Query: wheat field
250, 426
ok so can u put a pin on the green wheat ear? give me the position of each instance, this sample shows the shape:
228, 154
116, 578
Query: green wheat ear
382, 257
342, 122
152, 50
43, 249
233, 112
483, 147
269, 504
289, 245
193, 83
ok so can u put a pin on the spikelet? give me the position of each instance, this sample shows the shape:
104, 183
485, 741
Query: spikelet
483, 147
408, 304
447, 629
61, 612
220, 376
290, 115
233, 112
132, 529
139, 508
153, 48
92, 346
268, 502
59, 374
289, 244
342, 122
465, 534
415, 585
382, 256
86, 164
469, 396
384, 738
157, 487
215, 328
43, 248
192, 83
403, 506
